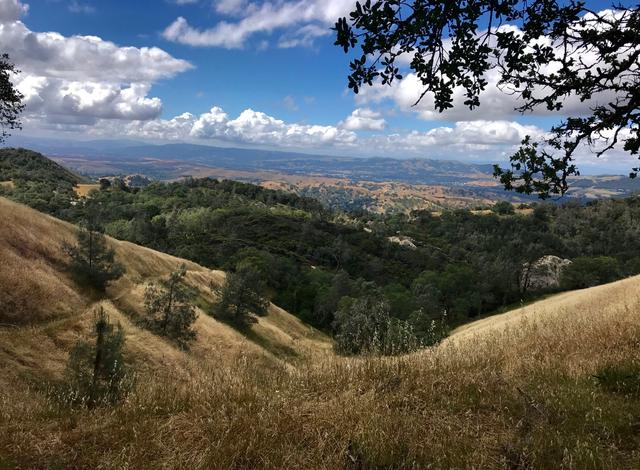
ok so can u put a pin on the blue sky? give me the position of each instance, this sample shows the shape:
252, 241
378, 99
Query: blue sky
252, 73
235, 79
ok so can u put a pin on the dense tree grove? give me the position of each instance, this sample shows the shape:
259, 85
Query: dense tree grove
309, 260
38, 182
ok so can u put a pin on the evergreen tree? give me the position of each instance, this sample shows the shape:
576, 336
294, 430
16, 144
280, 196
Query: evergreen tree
96, 371
242, 297
92, 260
170, 310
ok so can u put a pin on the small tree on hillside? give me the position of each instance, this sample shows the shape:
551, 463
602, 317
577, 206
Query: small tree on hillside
241, 297
92, 260
170, 309
96, 372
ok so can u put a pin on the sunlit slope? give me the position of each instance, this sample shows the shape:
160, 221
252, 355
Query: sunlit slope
608, 302
43, 312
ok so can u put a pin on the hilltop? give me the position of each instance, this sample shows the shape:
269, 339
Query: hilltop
27, 165
33, 179
556, 384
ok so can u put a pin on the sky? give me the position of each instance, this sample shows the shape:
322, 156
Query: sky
242, 73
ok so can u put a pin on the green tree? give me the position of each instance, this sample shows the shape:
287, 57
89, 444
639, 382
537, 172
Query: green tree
365, 326
92, 260
10, 98
241, 297
96, 372
585, 55
170, 309
586, 272
503, 208
428, 330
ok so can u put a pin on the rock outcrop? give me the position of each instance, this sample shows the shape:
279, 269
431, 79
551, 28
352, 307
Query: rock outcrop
543, 273
407, 242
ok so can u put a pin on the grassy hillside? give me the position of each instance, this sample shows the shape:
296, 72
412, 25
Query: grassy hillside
556, 385
314, 262
43, 312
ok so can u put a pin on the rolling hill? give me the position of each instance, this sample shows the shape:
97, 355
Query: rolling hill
43, 312
553, 385
26, 165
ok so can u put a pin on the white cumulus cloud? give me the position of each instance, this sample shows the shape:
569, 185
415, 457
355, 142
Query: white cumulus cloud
364, 119
308, 19
12, 10
82, 79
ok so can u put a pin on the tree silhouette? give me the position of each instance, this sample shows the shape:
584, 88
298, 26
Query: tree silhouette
545, 51
10, 98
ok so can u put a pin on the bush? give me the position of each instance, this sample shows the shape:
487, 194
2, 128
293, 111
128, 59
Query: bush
429, 331
503, 208
586, 272
365, 326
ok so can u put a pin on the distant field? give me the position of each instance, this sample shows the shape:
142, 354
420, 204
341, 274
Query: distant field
83, 190
7, 184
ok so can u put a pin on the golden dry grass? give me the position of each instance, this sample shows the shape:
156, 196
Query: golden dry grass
83, 189
43, 312
515, 391
7, 184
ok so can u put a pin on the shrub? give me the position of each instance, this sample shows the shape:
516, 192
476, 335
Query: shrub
503, 208
365, 326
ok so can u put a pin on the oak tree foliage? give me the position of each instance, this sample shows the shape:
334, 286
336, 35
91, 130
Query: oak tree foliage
547, 53
10, 98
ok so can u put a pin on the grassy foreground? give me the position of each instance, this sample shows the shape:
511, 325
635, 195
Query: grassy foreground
520, 396
553, 385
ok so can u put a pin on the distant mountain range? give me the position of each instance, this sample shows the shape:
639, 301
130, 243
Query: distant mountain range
171, 161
